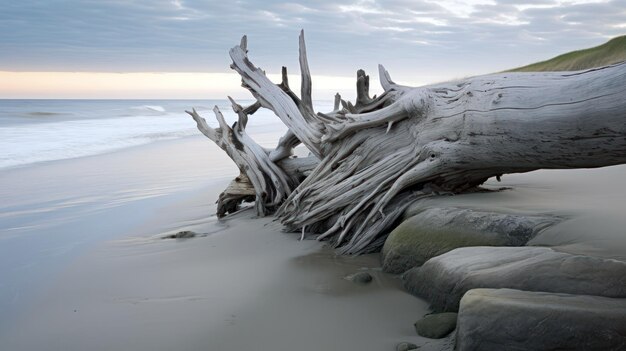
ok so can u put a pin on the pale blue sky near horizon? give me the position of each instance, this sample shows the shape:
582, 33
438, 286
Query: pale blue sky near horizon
418, 41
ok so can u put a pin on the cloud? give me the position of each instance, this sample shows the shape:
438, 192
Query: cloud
432, 38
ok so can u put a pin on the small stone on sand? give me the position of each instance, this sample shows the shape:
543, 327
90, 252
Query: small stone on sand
185, 234
361, 278
406, 346
436, 326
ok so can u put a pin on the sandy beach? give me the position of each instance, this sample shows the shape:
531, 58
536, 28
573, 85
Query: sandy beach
85, 265
101, 277
312, 176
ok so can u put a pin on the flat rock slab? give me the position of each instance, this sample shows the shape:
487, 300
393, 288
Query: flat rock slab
444, 279
505, 319
435, 231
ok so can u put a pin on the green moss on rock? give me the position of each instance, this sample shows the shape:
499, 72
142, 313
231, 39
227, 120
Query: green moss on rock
435, 231
412, 243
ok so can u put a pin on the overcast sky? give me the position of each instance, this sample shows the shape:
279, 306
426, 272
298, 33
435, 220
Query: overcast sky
416, 40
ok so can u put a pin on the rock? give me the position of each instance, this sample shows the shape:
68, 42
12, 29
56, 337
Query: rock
361, 278
406, 346
505, 319
435, 231
185, 234
436, 326
444, 279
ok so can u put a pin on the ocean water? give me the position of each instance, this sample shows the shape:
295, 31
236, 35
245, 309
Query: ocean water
33, 131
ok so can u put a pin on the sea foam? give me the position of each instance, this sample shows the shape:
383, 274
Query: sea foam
45, 130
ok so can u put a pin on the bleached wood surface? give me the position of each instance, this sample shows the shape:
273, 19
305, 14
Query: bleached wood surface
379, 154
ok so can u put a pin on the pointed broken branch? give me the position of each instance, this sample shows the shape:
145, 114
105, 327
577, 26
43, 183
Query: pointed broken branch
362, 89
305, 93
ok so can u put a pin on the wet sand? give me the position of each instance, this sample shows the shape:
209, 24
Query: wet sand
243, 286
91, 271
51, 213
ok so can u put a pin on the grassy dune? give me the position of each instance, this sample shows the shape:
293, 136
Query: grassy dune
610, 52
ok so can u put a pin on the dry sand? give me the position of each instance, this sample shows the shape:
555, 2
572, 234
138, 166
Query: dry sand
592, 202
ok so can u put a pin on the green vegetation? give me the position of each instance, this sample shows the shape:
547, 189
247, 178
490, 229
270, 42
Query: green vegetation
610, 52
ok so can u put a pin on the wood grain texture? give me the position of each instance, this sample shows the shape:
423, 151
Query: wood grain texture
381, 153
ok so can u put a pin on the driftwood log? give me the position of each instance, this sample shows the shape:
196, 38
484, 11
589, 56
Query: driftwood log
371, 159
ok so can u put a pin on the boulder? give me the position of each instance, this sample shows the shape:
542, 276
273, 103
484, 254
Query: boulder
436, 326
435, 231
505, 319
444, 279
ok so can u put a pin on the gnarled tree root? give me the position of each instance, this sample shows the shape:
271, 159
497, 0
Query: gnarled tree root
372, 158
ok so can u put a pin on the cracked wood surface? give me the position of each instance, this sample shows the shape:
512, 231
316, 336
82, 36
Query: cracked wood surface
372, 158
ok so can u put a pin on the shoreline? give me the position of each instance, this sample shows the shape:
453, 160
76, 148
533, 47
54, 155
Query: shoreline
51, 212
102, 257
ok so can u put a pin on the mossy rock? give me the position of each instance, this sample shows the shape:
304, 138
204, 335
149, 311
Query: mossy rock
435, 231
411, 244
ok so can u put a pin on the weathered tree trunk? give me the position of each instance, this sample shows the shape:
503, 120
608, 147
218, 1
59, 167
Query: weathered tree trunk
378, 155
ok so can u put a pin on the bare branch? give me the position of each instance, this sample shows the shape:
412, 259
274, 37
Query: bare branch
274, 98
242, 121
362, 89
203, 126
244, 43
249, 110
284, 84
285, 147
305, 93
385, 79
